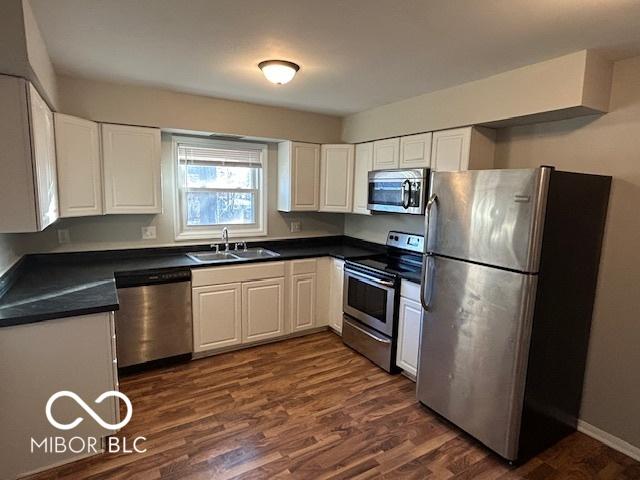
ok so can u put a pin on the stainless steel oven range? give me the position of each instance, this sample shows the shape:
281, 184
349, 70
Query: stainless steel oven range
371, 296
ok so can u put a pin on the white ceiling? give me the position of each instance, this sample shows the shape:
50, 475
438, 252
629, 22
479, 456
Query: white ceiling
354, 54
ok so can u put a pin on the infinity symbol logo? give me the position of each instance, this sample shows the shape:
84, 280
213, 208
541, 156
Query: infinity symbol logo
89, 410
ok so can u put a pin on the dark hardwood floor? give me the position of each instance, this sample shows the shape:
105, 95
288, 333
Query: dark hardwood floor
310, 408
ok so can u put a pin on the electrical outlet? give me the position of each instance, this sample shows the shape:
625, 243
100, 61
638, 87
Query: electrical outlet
63, 236
294, 226
148, 233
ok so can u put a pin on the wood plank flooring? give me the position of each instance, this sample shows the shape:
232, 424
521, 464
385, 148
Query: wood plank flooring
310, 408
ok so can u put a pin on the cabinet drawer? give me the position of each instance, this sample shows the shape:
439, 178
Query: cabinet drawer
303, 266
236, 273
410, 290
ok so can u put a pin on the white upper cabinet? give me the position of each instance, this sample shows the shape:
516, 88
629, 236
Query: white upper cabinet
336, 178
131, 163
298, 176
415, 151
363, 165
28, 182
79, 166
386, 154
468, 148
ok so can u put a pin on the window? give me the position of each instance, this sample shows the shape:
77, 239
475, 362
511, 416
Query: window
219, 184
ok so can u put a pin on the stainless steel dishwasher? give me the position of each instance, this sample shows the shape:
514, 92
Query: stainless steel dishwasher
154, 320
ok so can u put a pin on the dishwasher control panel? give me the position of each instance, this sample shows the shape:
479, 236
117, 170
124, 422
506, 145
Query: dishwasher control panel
151, 278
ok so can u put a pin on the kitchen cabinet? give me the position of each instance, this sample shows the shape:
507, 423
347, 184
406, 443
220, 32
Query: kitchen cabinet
415, 151
303, 292
298, 176
263, 309
76, 354
217, 316
336, 178
131, 169
28, 182
386, 154
363, 164
410, 318
79, 166
336, 295
468, 148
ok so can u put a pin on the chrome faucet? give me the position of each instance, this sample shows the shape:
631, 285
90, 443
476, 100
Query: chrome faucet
225, 238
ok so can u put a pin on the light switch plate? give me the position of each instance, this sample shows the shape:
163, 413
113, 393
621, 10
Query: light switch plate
148, 233
294, 226
63, 236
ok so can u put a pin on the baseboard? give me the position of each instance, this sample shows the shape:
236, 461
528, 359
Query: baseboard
609, 440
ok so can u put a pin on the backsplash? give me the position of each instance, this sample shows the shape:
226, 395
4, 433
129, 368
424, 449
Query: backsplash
374, 228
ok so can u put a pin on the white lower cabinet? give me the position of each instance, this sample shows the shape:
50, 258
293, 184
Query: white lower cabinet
263, 309
217, 316
409, 328
74, 354
303, 301
336, 294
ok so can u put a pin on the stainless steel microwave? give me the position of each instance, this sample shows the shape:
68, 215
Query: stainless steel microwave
398, 191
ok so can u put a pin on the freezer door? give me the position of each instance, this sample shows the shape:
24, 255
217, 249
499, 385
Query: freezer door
473, 354
493, 217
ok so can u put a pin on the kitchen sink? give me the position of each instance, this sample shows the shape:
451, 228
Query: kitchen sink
257, 252
233, 255
210, 257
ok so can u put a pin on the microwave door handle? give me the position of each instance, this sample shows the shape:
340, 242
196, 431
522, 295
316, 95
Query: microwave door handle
426, 288
406, 193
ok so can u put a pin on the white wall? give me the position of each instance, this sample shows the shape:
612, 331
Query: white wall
608, 145
374, 228
124, 231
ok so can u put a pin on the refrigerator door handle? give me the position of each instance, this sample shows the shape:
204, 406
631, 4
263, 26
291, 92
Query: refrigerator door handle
433, 199
427, 282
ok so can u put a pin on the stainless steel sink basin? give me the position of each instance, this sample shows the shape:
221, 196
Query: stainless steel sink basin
233, 256
210, 257
256, 252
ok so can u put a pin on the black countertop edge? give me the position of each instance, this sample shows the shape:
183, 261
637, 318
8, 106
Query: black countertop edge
9, 277
41, 317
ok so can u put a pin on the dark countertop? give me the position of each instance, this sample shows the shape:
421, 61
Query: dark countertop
49, 286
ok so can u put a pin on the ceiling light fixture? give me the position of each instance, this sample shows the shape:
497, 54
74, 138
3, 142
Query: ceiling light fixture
279, 71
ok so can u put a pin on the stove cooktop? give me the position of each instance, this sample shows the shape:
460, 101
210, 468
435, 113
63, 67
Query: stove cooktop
406, 266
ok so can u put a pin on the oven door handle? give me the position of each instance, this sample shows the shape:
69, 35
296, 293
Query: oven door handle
369, 334
384, 283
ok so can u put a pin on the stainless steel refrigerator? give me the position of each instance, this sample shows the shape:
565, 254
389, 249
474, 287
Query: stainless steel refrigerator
508, 286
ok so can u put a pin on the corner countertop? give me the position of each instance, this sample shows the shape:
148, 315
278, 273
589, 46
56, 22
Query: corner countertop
50, 286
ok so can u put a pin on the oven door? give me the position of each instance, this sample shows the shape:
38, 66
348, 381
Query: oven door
370, 300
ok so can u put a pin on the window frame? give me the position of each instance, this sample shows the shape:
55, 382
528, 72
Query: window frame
211, 232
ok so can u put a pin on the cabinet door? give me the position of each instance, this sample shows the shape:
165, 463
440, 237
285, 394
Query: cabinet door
306, 176
335, 300
409, 324
303, 301
415, 151
263, 309
450, 150
336, 178
44, 159
79, 166
386, 153
217, 316
363, 165
131, 161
